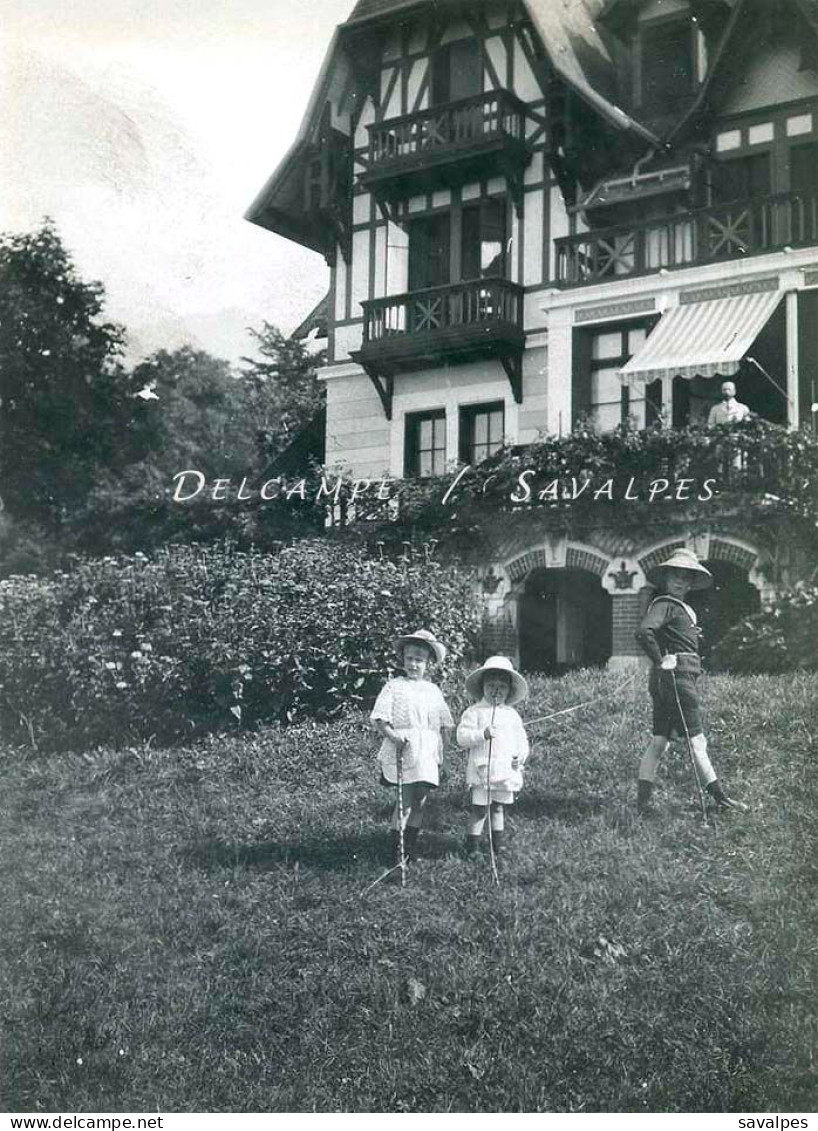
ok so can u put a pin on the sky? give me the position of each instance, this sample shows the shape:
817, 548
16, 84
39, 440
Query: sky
145, 128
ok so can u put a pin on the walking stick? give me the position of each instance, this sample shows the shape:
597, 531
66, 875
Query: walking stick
401, 845
492, 857
689, 745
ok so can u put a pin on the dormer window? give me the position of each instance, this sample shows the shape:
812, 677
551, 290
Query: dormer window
668, 63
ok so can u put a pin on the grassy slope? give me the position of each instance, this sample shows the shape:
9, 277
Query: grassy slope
192, 926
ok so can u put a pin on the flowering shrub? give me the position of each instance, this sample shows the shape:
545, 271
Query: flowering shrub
195, 639
627, 479
780, 639
754, 458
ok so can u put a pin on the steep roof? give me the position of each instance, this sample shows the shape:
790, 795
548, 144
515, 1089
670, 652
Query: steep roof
306, 448
571, 41
369, 9
729, 54
275, 201
316, 321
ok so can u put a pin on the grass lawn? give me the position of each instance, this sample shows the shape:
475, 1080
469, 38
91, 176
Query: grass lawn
190, 930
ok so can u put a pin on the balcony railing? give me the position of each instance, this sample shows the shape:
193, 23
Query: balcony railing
472, 310
452, 323
707, 235
459, 135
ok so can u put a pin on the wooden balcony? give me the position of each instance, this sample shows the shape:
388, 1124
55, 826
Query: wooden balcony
707, 235
452, 323
472, 138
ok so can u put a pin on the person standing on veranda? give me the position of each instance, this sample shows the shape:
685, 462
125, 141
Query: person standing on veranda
728, 410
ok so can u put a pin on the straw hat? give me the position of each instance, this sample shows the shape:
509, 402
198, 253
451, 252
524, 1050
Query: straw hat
518, 689
424, 637
700, 578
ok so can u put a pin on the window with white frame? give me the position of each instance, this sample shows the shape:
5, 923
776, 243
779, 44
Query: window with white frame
610, 401
425, 444
482, 427
598, 392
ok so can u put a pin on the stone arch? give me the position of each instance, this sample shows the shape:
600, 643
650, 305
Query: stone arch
563, 606
557, 553
714, 547
737, 552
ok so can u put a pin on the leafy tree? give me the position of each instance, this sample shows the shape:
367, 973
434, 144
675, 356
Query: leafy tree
189, 414
193, 413
282, 389
64, 403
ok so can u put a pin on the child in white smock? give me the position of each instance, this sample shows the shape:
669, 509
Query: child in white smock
412, 718
492, 726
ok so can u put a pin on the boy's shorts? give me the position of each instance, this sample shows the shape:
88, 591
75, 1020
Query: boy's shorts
667, 721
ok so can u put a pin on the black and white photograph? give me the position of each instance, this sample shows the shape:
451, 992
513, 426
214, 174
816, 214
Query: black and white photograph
409, 558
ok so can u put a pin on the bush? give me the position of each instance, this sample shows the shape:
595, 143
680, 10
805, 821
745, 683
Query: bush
125, 649
26, 547
780, 639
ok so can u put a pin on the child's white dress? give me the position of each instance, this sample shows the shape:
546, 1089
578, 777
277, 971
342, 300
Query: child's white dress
511, 742
416, 710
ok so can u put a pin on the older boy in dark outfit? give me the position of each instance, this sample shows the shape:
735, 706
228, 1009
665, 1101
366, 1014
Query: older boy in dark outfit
669, 634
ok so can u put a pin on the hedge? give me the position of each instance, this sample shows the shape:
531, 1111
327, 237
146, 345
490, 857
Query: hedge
196, 639
782, 638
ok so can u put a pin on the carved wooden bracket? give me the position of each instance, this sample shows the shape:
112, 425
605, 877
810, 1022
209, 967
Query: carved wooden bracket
384, 387
513, 365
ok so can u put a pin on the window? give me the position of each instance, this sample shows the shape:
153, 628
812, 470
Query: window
456, 71
425, 444
667, 62
610, 349
481, 250
804, 168
767, 153
482, 427
429, 251
654, 402
483, 239
598, 392
742, 178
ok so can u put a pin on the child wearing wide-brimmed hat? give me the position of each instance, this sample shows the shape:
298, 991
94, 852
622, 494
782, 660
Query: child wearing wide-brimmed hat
491, 726
669, 634
414, 721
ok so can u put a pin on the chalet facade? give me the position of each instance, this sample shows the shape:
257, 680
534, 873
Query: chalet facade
560, 210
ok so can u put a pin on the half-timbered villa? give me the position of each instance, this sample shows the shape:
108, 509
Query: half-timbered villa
549, 211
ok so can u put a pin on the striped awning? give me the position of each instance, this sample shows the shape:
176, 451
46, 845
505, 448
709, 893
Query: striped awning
702, 339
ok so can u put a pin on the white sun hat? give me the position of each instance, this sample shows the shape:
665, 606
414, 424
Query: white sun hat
425, 638
518, 690
700, 578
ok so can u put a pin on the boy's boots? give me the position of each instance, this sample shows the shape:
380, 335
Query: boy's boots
473, 845
722, 800
498, 838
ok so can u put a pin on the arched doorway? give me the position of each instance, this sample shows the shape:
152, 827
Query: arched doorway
730, 598
563, 621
